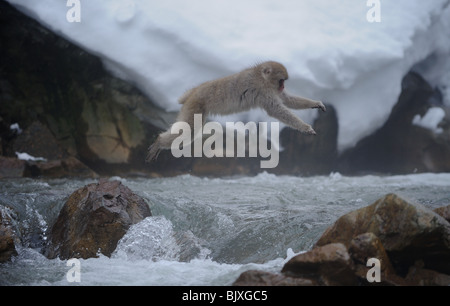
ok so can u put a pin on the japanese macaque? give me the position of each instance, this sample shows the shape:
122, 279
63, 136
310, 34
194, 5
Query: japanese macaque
260, 86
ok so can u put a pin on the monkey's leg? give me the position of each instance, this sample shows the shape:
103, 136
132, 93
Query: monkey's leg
165, 139
295, 102
283, 114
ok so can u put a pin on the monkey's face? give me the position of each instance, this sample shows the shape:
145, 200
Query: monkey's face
278, 79
275, 74
281, 85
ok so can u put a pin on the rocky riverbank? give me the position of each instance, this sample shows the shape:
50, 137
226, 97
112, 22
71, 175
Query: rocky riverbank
390, 242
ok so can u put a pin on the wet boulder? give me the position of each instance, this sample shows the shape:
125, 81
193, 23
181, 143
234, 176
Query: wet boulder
94, 219
444, 212
410, 243
11, 167
263, 278
408, 232
329, 265
7, 239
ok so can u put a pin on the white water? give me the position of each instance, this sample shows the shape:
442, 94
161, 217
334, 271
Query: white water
203, 231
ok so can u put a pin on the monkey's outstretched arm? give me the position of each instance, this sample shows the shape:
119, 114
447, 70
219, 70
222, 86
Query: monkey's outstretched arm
301, 103
279, 111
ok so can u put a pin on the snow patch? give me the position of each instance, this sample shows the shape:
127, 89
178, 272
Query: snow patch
26, 156
431, 119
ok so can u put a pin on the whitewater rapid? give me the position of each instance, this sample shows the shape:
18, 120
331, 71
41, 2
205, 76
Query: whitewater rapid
203, 231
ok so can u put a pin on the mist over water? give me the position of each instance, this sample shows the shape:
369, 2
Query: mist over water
203, 231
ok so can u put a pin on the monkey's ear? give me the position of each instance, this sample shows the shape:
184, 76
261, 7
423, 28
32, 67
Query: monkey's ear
267, 70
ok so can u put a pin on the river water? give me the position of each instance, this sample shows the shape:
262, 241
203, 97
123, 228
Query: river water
204, 231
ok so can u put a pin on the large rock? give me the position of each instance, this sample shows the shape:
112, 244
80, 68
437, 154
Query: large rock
37, 140
93, 220
368, 246
328, 265
11, 167
309, 155
7, 239
444, 212
103, 121
399, 146
262, 278
66, 167
408, 232
410, 242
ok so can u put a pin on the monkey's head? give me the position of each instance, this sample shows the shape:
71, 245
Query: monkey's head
275, 74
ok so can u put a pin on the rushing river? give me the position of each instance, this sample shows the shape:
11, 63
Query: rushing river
204, 231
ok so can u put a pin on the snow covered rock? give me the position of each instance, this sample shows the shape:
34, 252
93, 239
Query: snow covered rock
400, 145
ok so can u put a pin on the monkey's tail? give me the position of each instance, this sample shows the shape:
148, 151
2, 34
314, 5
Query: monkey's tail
153, 152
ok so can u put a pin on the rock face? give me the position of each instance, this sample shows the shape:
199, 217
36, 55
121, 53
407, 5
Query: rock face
399, 146
408, 232
66, 167
331, 263
67, 103
309, 155
7, 245
11, 167
410, 242
93, 220
38, 141
444, 212
262, 278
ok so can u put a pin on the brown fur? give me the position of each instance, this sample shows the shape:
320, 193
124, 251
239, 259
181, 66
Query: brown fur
260, 86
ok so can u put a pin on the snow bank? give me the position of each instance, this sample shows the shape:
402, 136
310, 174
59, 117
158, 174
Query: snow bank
331, 50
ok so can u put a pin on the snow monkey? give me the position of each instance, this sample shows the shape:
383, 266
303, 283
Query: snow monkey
259, 86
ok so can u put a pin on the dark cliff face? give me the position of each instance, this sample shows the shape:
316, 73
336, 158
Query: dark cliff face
399, 146
92, 115
108, 124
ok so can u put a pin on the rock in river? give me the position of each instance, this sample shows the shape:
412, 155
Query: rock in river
93, 220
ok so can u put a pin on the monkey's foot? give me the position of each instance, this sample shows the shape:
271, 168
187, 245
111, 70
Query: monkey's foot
321, 106
153, 153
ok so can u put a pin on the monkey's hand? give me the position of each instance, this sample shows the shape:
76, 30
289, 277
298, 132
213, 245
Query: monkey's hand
308, 130
321, 106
